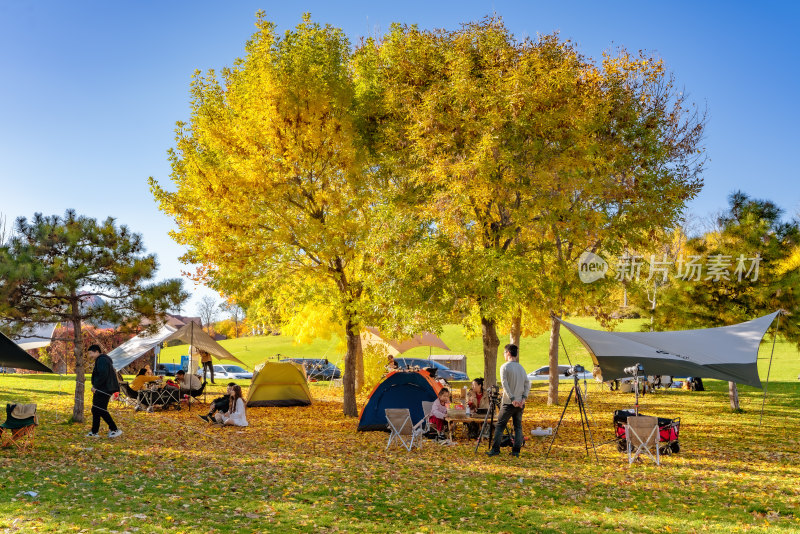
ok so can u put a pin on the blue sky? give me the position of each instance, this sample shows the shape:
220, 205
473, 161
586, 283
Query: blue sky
91, 91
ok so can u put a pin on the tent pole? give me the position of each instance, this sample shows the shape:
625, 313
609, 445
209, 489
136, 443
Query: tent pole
563, 346
769, 368
189, 371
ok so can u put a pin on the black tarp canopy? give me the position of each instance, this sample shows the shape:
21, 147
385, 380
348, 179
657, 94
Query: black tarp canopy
12, 355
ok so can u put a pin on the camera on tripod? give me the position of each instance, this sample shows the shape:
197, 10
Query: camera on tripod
494, 395
634, 370
574, 370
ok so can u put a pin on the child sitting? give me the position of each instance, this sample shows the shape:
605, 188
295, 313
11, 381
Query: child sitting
439, 410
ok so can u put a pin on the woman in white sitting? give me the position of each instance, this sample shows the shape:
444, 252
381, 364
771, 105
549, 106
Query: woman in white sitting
235, 415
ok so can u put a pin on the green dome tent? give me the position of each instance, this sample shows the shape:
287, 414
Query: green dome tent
278, 384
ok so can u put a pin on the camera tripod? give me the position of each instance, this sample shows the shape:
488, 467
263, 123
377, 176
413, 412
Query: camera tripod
576, 389
488, 419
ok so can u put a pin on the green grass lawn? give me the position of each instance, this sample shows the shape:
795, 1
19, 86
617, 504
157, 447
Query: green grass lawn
307, 469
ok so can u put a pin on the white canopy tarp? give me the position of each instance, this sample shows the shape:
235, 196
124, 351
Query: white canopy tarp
38, 337
726, 353
190, 333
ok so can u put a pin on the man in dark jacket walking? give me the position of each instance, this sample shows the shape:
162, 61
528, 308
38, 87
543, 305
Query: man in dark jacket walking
104, 385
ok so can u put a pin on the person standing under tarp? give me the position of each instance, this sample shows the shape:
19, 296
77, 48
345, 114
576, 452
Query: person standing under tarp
104, 385
208, 367
516, 388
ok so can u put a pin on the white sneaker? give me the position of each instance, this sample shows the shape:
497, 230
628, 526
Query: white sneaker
92, 435
114, 433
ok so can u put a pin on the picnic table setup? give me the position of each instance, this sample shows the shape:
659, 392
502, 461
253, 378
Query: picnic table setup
458, 416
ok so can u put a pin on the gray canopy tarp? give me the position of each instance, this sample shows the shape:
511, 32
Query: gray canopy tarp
190, 333
726, 353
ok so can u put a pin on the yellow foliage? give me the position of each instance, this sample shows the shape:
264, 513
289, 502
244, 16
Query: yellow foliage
375, 357
314, 321
271, 178
228, 328
790, 263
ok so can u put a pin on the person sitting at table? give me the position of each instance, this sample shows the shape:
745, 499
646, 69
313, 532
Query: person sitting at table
141, 379
391, 365
187, 383
439, 410
477, 399
476, 396
235, 416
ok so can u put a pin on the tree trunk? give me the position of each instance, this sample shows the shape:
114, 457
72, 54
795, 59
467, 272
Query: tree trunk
359, 364
80, 369
490, 345
349, 405
555, 329
516, 328
733, 393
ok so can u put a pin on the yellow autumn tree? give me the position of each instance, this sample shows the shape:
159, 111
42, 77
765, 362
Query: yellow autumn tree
519, 156
271, 189
642, 163
470, 117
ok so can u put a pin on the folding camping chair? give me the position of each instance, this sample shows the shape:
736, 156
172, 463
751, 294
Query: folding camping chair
130, 397
427, 406
19, 428
401, 428
642, 434
662, 381
191, 396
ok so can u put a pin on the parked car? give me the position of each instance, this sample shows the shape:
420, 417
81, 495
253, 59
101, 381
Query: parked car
442, 371
543, 373
317, 369
167, 369
233, 372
